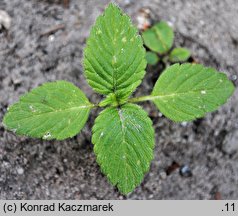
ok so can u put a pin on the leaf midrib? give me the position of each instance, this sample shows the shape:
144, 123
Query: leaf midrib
154, 97
57, 111
162, 42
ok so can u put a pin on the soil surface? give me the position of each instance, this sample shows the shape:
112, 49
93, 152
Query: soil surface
197, 160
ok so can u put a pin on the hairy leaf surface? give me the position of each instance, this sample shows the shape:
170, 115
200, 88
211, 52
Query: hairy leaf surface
159, 38
123, 141
188, 91
55, 110
114, 57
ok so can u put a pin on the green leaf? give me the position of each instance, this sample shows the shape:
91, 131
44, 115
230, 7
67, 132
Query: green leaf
159, 38
123, 141
152, 58
55, 110
189, 91
179, 55
114, 57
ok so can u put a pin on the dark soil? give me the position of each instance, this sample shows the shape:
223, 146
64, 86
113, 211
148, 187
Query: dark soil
196, 160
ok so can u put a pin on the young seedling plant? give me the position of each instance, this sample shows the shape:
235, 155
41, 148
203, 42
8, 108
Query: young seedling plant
159, 40
114, 65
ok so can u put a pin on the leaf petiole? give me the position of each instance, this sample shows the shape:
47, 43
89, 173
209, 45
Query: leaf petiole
141, 99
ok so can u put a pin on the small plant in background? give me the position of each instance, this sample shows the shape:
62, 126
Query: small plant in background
114, 66
159, 40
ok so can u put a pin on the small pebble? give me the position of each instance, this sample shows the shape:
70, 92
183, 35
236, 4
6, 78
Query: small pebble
202, 23
184, 124
127, 2
185, 171
143, 19
5, 20
16, 80
20, 170
170, 24
216, 133
51, 38
234, 77
163, 175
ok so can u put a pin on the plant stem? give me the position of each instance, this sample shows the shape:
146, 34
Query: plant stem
92, 106
132, 100
141, 99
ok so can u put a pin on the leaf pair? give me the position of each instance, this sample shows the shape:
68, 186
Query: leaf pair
159, 39
114, 63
